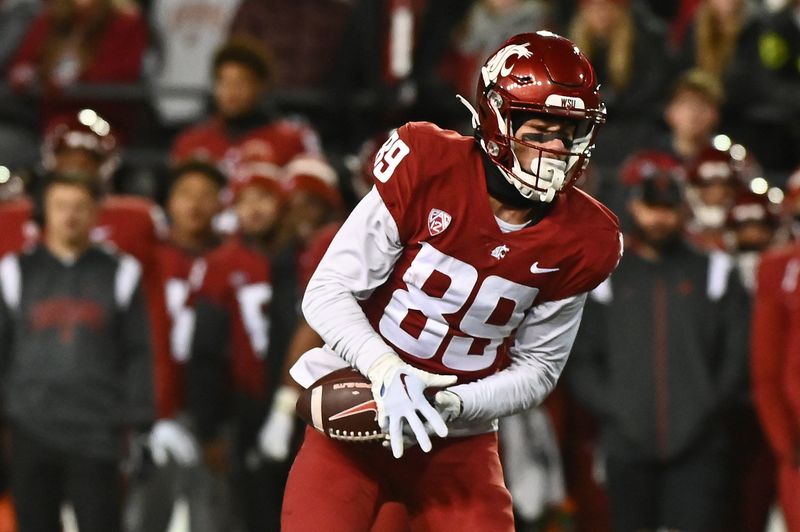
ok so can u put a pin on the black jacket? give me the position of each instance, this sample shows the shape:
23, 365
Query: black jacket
662, 351
75, 349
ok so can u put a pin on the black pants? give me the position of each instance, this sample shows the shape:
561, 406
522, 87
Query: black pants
687, 493
257, 484
42, 478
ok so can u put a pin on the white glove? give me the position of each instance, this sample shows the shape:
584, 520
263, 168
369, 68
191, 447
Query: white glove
168, 438
398, 391
276, 432
449, 406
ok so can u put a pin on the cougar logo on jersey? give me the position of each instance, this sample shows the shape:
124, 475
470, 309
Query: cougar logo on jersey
497, 64
438, 221
500, 251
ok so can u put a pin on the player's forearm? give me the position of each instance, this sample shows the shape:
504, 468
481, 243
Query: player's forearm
539, 355
358, 260
334, 313
512, 390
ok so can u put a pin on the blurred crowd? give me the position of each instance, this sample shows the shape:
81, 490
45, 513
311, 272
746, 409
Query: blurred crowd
220, 142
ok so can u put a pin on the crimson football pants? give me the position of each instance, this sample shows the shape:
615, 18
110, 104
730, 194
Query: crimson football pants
336, 486
789, 494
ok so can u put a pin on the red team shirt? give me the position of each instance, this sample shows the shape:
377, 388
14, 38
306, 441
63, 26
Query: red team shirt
461, 286
776, 367
175, 266
237, 279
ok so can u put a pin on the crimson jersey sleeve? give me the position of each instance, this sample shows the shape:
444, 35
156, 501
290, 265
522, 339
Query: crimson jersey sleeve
402, 168
771, 327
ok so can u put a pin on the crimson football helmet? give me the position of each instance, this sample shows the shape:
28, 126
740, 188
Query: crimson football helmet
87, 131
538, 74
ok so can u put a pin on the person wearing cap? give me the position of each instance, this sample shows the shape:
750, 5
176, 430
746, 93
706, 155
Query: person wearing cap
226, 374
751, 228
715, 178
77, 364
775, 364
752, 224
660, 354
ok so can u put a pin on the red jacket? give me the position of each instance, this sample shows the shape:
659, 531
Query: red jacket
776, 308
117, 58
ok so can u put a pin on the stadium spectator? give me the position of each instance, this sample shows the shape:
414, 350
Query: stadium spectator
627, 46
186, 33
714, 180
692, 115
80, 41
752, 224
719, 30
227, 381
661, 353
77, 364
723, 41
313, 202
192, 202
774, 363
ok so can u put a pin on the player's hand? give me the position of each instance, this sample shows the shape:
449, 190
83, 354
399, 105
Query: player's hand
449, 406
276, 433
398, 391
169, 439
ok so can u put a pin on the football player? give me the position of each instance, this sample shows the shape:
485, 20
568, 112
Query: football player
463, 270
193, 199
226, 375
775, 363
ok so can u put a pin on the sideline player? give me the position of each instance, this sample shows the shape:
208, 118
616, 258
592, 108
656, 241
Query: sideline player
465, 268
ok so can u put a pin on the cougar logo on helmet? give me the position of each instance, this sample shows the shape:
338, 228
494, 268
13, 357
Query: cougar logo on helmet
496, 66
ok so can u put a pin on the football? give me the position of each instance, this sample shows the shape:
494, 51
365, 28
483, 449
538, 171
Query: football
340, 405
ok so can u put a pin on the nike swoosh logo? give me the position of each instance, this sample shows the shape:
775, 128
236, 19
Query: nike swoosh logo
366, 406
536, 269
